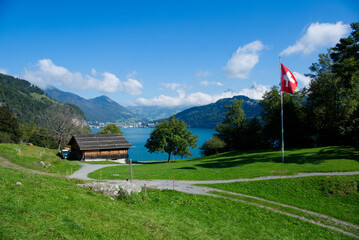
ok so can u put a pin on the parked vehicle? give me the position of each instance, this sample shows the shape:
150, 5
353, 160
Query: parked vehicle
65, 153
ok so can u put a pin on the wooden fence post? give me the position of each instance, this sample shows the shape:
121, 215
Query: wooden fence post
145, 191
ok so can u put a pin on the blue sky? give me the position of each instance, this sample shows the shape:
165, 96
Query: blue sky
167, 53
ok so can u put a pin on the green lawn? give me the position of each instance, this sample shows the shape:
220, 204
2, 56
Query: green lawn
336, 196
233, 165
44, 207
31, 157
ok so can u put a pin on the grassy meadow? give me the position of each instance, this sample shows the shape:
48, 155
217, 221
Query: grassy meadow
32, 156
248, 164
336, 196
45, 207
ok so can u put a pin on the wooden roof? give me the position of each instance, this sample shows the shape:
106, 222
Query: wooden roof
100, 141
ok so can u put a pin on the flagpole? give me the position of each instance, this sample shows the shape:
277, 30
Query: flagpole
281, 109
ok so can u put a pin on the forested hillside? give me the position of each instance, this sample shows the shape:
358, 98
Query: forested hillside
36, 112
210, 115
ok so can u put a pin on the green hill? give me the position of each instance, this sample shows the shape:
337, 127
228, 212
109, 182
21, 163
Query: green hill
208, 116
30, 104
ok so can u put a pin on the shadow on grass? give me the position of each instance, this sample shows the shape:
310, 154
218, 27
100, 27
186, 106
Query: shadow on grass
300, 156
188, 168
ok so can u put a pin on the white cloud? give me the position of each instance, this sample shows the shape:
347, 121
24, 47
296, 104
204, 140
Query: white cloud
204, 74
200, 98
303, 79
243, 60
254, 92
207, 83
3, 71
132, 86
318, 35
109, 84
173, 86
49, 74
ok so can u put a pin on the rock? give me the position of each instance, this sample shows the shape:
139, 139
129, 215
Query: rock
116, 190
18, 183
44, 164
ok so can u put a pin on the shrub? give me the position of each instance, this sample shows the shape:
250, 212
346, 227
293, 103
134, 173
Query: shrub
213, 146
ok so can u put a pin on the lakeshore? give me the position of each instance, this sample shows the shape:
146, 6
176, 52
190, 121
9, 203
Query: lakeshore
138, 137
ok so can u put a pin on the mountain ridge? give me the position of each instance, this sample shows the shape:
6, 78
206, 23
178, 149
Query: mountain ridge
208, 116
104, 109
101, 108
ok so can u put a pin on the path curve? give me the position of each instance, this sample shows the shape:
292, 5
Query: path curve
188, 186
88, 168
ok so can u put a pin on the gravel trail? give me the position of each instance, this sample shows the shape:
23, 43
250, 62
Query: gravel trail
188, 186
88, 168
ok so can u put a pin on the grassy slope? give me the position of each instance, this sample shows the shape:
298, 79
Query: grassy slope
335, 196
50, 208
31, 157
244, 165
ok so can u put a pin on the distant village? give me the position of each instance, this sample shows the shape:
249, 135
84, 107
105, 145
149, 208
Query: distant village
97, 124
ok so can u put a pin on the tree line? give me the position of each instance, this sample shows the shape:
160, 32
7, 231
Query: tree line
325, 113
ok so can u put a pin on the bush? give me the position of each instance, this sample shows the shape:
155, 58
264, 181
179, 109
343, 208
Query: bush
213, 146
9, 126
5, 137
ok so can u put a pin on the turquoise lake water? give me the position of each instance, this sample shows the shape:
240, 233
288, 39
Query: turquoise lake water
138, 137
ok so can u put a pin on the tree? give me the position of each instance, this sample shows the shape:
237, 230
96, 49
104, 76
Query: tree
110, 128
333, 95
43, 138
171, 137
254, 134
38, 136
294, 118
213, 146
64, 121
9, 126
232, 129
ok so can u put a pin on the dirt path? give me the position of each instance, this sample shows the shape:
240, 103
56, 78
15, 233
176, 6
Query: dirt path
189, 186
6, 163
88, 168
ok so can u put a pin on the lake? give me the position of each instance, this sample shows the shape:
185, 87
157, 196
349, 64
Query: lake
138, 137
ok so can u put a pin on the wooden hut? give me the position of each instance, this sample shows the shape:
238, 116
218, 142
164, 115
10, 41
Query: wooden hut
99, 147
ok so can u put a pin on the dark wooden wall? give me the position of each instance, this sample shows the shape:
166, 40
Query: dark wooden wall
105, 154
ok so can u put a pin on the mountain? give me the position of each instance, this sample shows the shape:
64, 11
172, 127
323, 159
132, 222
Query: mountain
29, 104
208, 116
102, 109
155, 112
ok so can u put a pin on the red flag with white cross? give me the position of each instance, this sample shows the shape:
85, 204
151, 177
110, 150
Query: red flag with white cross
288, 81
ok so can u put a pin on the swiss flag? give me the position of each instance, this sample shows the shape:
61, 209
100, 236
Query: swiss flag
287, 80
